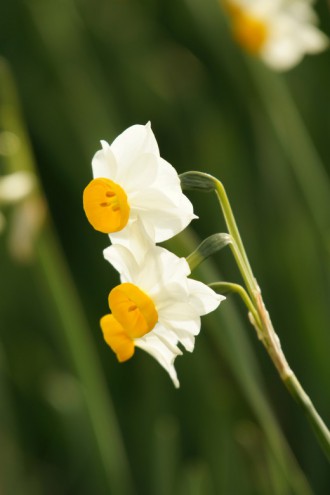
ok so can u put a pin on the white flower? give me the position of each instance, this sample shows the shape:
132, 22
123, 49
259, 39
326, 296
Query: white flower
156, 306
281, 32
136, 195
15, 187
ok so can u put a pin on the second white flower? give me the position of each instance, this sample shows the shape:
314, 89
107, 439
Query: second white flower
156, 306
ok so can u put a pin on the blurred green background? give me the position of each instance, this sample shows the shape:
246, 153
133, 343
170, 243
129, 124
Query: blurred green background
74, 421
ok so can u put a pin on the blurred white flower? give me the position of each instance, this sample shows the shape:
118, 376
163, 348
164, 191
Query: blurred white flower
281, 32
25, 212
156, 306
15, 187
136, 195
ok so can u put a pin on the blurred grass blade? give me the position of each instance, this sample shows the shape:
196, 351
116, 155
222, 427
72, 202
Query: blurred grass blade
297, 144
166, 455
68, 309
196, 480
14, 477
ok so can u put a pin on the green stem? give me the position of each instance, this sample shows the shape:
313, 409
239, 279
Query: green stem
244, 264
226, 287
201, 181
321, 430
273, 346
263, 325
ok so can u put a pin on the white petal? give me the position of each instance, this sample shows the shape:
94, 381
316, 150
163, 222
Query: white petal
168, 217
313, 40
168, 178
187, 340
168, 223
135, 238
176, 310
133, 142
162, 350
168, 181
192, 326
282, 55
203, 298
123, 261
104, 163
139, 175
185, 331
159, 270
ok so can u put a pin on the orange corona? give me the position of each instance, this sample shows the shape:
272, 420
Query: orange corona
106, 206
133, 315
250, 32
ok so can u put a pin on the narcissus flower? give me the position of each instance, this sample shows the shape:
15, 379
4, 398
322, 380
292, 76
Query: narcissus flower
156, 306
14, 189
281, 32
135, 195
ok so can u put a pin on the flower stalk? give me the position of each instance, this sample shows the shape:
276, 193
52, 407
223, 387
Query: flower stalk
258, 313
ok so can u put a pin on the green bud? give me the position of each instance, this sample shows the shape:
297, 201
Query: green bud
209, 246
197, 181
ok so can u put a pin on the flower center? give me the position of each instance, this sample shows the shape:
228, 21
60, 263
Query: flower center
133, 315
249, 31
106, 206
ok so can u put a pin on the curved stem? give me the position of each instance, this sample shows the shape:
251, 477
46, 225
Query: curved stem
263, 325
272, 344
225, 287
320, 428
234, 232
201, 181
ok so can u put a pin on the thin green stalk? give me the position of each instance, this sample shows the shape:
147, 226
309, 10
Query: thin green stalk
321, 430
226, 287
205, 182
268, 335
245, 268
273, 346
